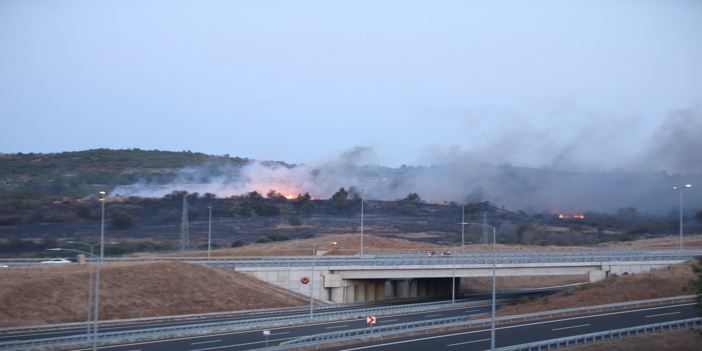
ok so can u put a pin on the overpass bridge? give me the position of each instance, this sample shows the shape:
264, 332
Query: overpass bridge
377, 276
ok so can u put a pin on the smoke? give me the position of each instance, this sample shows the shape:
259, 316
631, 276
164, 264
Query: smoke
569, 180
677, 144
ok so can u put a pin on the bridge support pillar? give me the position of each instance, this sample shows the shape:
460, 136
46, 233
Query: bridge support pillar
422, 287
380, 290
402, 288
370, 291
360, 292
413, 284
597, 276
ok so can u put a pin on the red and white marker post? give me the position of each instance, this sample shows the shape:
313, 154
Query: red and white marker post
370, 320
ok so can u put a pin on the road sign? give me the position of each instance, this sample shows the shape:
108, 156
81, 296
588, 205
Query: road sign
305, 280
370, 320
266, 332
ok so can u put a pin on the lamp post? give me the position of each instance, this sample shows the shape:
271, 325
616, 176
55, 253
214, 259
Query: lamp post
362, 190
314, 246
102, 226
91, 245
463, 227
97, 291
492, 327
681, 212
209, 235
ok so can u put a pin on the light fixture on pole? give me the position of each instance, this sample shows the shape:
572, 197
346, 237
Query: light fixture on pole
314, 245
97, 292
681, 211
362, 190
209, 235
494, 259
91, 245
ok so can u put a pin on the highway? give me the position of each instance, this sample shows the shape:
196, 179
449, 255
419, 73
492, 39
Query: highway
360, 307
507, 334
533, 331
255, 339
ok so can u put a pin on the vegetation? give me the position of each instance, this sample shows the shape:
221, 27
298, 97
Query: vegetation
52, 196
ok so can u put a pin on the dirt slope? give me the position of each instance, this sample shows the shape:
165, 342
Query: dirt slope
35, 295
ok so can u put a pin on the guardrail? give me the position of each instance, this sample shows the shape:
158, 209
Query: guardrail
503, 256
608, 335
366, 333
113, 338
463, 297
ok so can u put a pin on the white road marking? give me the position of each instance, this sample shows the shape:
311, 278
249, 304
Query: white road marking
571, 327
433, 315
468, 342
388, 320
281, 333
664, 314
473, 311
502, 328
338, 326
204, 342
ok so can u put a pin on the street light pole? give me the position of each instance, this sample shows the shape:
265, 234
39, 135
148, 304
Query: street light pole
681, 212
102, 226
314, 246
97, 293
494, 260
209, 235
463, 228
362, 190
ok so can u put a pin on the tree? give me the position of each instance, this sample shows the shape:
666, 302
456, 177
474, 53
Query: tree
412, 198
307, 208
409, 209
295, 221
340, 200
239, 243
122, 220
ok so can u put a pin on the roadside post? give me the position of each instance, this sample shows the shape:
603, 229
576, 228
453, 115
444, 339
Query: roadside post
266, 333
370, 320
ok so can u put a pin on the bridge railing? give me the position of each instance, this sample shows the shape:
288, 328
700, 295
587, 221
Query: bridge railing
591, 255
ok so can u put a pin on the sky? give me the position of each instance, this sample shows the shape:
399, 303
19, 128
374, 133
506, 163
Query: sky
566, 85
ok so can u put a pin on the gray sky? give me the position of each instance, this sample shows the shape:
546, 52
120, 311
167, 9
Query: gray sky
571, 85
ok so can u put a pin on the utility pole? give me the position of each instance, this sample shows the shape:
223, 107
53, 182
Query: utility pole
184, 231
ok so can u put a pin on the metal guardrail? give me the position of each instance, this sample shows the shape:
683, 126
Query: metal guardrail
602, 336
474, 257
464, 297
112, 338
366, 333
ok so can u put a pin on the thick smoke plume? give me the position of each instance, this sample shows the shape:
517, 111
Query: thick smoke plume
671, 157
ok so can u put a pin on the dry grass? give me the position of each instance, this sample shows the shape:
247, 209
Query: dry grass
679, 340
35, 295
663, 282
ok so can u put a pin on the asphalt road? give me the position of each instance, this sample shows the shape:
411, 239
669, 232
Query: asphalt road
303, 314
474, 339
528, 332
247, 340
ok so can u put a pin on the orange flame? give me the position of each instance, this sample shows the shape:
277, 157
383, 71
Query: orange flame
570, 216
289, 197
